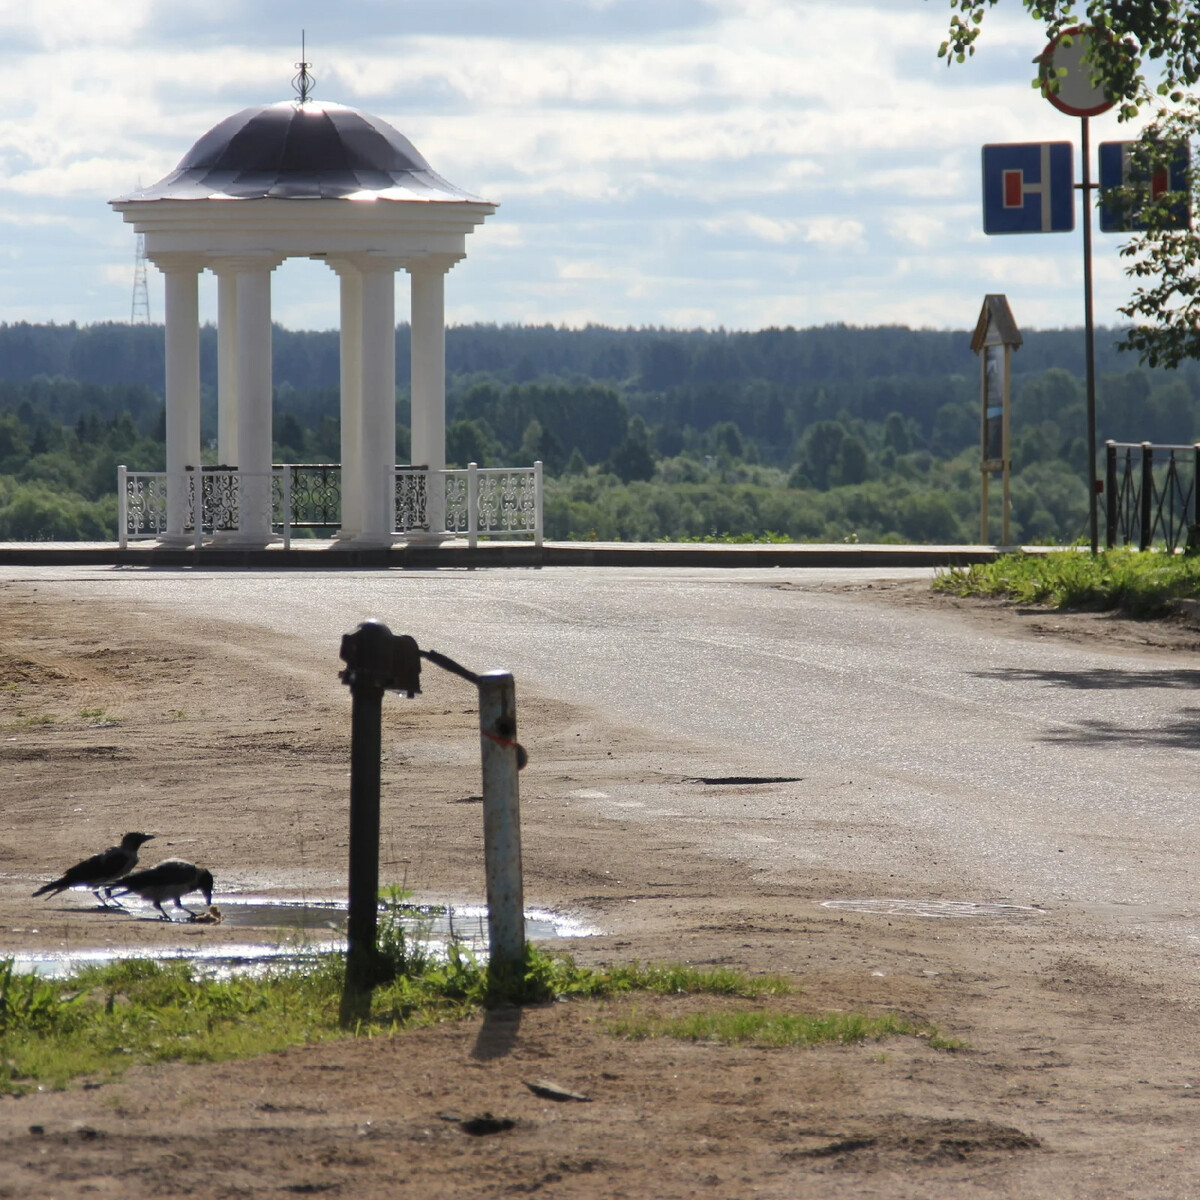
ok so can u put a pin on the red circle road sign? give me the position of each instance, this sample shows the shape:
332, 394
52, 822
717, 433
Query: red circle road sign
1077, 95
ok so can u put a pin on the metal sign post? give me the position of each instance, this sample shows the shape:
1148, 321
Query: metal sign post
1019, 197
1068, 83
995, 338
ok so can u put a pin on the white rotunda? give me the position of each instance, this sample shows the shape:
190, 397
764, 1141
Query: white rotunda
327, 182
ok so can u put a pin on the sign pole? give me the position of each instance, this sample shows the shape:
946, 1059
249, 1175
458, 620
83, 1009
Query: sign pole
1089, 333
1006, 494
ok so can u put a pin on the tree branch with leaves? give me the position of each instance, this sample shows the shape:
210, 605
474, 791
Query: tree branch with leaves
1147, 54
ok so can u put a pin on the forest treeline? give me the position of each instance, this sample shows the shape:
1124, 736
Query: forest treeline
829, 434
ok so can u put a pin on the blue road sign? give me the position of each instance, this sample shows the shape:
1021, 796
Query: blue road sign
1028, 187
1118, 168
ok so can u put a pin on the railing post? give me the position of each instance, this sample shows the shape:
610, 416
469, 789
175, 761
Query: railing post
502, 759
1147, 529
1110, 493
1194, 532
537, 503
472, 504
122, 507
197, 477
287, 506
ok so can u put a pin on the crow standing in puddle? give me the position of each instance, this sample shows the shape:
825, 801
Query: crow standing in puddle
101, 869
170, 880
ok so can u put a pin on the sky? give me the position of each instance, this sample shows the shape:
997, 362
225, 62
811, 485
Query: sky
736, 164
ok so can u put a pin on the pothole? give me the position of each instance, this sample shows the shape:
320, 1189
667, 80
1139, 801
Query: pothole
307, 929
743, 780
935, 908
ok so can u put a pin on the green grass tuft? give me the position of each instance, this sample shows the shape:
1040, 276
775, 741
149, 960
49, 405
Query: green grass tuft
773, 1028
1133, 583
103, 1019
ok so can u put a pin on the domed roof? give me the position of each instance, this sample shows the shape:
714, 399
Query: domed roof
303, 151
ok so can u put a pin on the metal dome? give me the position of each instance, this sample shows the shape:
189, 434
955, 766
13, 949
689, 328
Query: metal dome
303, 151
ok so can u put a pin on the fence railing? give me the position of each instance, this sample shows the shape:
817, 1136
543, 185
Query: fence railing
473, 502
495, 502
1150, 495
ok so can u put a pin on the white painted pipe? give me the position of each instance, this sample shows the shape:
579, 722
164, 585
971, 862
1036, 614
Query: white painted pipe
502, 819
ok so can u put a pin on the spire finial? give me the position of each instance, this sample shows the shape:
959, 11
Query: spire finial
304, 83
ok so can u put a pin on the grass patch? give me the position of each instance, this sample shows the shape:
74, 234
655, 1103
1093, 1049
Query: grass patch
1133, 583
774, 1028
27, 722
103, 1019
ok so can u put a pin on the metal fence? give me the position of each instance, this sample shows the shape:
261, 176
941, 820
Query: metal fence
473, 502
1150, 495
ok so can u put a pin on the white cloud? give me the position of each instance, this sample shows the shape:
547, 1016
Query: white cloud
673, 161
916, 228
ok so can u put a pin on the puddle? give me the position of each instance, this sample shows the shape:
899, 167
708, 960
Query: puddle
934, 908
307, 929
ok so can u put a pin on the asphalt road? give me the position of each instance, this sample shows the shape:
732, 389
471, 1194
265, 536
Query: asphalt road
931, 754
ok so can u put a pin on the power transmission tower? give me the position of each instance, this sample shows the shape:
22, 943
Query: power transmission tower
139, 312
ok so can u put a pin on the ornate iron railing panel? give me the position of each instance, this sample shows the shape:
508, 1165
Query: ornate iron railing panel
1150, 495
507, 503
496, 502
219, 499
143, 505
458, 497
316, 495
412, 499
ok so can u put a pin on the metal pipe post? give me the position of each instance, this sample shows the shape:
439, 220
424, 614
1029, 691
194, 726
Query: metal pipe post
1194, 532
368, 654
1110, 493
1147, 521
1089, 339
502, 823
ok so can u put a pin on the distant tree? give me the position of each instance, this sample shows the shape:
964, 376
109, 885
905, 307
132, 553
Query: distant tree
470, 442
541, 445
853, 464
633, 458
820, 450
929, 516
664, 364
290, 439
895, 434
726, 440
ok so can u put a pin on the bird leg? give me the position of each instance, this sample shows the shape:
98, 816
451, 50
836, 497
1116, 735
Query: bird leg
162, 911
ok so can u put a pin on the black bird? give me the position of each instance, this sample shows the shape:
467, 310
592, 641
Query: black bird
169, 880
100, 869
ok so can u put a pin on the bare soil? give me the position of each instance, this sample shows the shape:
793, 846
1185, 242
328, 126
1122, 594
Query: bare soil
1079, 1074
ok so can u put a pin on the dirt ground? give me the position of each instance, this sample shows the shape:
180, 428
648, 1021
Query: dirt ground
1079, 1074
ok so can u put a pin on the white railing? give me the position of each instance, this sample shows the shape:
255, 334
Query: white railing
475, 502
211, 508
494, 502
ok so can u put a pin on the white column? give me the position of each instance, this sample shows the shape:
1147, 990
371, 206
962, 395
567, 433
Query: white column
254, 382
378, 381
227, 378
182, 272
428, 383
350, 348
